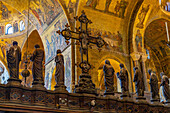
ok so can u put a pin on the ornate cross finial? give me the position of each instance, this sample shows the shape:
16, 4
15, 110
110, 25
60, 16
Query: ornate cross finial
67, 26
76, 18
82, 12
67, 42
59, 32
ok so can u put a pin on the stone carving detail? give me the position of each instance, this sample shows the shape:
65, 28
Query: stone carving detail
50, 99
26, 97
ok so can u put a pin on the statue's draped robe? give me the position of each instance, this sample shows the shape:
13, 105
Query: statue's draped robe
37, 58
154, 86
13, 59
139, 82
109, 77
124, 81
165, 88
59, 74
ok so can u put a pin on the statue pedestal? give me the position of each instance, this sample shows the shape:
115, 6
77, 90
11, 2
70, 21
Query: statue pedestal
111, 97
125, 95
85, 85
167, 103
60, 89
111, 93
39, 93
141, 99
155, 101
14, 90
14, 82
38, 85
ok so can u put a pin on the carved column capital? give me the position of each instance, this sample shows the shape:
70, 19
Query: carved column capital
144, 58
135, 56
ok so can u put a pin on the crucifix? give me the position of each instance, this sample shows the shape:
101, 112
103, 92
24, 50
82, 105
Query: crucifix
85, 84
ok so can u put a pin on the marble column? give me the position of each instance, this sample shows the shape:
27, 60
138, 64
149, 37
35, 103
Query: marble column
135, 57
144, 58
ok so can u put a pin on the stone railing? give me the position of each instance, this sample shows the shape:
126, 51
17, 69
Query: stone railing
23, 99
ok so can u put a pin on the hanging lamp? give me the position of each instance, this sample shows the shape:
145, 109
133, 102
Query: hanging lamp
25, 73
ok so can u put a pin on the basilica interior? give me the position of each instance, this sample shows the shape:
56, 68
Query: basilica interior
132, 33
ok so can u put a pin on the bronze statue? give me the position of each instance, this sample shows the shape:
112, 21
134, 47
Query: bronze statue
109, 77
13, 59
124, 81
59, 74
139, 82
37, 59
165, 86
154, 85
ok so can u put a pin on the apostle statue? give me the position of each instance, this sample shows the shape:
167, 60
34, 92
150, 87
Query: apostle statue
108, 77
124, 80
37, 68
154, 85
165, 86
139, 82
13, 59
59, 74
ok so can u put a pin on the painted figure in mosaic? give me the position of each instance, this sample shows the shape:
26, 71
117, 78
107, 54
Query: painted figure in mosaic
165, 86
94, 3
108, 77
37, 59
107, 5
139, 82
59, 74
88, 3
138, 40
124, 80
117, 7
5, 12
13, 59
142, 16
15, 26
153, 85
1, 30
123, 5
